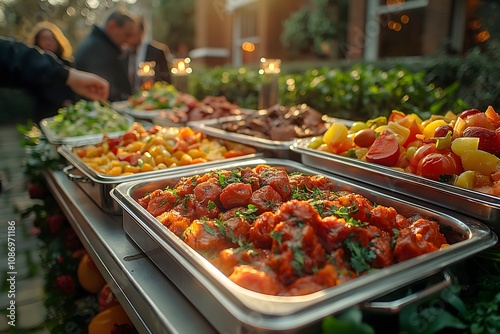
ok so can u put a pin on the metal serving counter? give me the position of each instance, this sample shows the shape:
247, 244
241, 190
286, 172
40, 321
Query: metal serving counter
150, 299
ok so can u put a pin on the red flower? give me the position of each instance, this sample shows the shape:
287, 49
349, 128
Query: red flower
55, 222
71, 240
37, 191
66, 283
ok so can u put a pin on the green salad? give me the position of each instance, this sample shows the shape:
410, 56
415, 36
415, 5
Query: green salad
87, 118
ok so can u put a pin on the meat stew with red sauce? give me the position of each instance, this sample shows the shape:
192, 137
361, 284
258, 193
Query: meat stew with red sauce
287, 234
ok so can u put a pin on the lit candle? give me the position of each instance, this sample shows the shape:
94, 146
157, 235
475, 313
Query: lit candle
146, 69
180, 66
270, 66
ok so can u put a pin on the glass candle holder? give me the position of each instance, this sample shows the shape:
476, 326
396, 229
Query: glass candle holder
269, 91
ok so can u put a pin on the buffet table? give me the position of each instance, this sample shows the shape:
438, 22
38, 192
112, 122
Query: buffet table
152, 302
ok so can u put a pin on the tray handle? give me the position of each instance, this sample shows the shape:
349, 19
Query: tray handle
394, 306
75, 178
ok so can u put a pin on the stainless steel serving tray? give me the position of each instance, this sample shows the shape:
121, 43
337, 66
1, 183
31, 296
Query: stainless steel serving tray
163, 119
97, 186
233, 309
53, 138
481, 206
273, 148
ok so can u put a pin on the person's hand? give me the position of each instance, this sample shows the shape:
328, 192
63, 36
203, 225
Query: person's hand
88, 85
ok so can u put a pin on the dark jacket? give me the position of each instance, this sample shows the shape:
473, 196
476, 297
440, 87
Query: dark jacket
38, 73
22, 66
162, 72
98, 54
153, 53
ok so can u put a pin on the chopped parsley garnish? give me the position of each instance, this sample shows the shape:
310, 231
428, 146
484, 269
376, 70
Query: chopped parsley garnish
194, 181
220, 226
361, 257
394, 237
211, 205
298, 258
208, 229
303, 193
185, 201
248, 214
345, 213
163, 202
234, 177
276, 235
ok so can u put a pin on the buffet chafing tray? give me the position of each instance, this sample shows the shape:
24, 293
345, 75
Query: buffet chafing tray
271, 148
97, 185
481, 206
54, 139
233, 309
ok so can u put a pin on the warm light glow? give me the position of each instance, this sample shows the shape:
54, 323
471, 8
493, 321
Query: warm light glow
146, 69
248, 47
180, 66
483, 36
270, 66
475, 24
405, 19
70, 11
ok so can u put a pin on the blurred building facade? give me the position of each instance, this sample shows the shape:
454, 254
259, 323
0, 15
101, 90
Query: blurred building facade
240, 32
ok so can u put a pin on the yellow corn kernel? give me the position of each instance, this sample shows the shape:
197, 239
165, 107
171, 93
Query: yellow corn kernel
196, 153
115, 171
146, 167
171, 160
185, 160
131, 169
159, 159
179, 154
134, 146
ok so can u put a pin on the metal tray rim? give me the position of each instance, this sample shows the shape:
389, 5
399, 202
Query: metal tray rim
78, 140
66, 152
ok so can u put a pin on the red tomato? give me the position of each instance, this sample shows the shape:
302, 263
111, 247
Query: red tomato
128, 137
421, 152
384, 150
433, 166
154, 129
131, 158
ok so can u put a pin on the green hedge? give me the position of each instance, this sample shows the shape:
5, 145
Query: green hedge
430, 85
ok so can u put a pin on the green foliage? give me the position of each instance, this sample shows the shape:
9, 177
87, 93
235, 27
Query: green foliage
238, 85
349, 321
364, 92
359, 92
312, 27
295, 36
173, 23
478, 75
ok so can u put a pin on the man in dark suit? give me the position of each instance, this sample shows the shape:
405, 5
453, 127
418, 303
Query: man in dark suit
101, 53
142, 51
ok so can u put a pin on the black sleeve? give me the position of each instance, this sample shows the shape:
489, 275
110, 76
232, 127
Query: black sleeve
30, 65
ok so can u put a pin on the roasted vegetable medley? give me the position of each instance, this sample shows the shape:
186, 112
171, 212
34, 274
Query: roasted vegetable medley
144, 150
462, 150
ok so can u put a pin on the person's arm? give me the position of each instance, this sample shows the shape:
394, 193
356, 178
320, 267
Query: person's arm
33, 67
88, 85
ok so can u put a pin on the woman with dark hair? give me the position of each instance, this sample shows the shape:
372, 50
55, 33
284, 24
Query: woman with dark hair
48, 37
